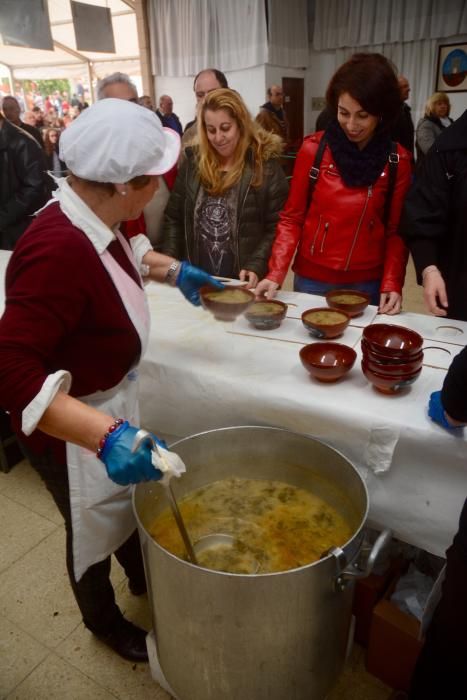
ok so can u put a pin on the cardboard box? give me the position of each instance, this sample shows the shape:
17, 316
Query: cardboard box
368, 592
393, 645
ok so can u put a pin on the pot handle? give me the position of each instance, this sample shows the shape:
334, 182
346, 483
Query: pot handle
351, 573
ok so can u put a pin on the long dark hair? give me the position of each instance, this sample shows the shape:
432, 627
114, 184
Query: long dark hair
371, 79
49, 146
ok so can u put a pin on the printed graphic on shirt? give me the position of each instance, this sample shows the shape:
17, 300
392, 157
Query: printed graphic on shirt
215, 221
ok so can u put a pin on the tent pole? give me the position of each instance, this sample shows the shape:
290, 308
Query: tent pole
9, 76
90, 82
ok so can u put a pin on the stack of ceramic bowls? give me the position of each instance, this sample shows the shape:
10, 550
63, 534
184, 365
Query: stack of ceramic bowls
392, 356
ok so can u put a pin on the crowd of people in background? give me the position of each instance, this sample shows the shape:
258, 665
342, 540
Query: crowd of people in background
355, 208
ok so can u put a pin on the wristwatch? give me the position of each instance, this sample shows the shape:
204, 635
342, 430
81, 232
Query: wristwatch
172, 273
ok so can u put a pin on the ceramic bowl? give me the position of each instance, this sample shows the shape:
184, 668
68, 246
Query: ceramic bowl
266, 314
389, 385
226, 304
385, 359
391, 369
392, 341
327, 362
351, 301
323, 322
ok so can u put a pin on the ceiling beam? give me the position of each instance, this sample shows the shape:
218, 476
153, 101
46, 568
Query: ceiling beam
72, 52
62, 22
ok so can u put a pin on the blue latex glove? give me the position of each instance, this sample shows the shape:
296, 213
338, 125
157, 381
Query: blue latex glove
436, 411
190, 279
124, 466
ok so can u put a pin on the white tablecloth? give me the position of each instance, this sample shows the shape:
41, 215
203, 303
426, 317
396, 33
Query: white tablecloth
196, 376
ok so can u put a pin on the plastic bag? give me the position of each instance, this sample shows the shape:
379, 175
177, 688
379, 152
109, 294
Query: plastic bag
412, 592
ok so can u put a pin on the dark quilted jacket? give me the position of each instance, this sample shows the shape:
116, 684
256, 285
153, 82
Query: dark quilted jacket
258, 213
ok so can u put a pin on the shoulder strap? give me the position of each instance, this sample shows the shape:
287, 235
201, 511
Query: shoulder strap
314, 171
393, 162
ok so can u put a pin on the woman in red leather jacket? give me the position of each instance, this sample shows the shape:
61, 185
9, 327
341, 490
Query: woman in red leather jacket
347, 236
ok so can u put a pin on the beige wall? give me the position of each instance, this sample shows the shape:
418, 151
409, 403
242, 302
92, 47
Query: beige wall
145, 54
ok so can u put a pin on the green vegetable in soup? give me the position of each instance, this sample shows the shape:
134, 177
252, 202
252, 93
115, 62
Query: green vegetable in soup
275, 526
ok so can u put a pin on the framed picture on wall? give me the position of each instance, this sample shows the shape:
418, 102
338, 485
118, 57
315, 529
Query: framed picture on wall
451, 74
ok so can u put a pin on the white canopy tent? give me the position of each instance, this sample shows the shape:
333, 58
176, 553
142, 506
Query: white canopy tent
66, 61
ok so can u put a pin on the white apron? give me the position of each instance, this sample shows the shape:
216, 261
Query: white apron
101, 511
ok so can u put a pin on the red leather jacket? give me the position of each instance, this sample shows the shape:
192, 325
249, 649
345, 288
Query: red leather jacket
342, 237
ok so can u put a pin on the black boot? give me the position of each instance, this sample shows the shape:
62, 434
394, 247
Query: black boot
128, 640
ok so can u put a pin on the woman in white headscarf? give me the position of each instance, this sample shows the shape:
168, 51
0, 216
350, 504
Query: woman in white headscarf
74, 330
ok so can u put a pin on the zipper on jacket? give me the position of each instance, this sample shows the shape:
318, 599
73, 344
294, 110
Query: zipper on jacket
239, 216
326, 226
185, 209
312, 247
369, 194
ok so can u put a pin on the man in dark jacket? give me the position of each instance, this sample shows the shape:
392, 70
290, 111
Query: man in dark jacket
167, 115
403, 129
441, 671
11, 110
23, 186
207, 80
272, 116
434, 223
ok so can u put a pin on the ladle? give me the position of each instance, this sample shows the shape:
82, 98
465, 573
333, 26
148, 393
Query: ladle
143, 436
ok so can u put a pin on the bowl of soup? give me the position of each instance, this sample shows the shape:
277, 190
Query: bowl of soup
226, 304
266, 314
351, 301
323, 322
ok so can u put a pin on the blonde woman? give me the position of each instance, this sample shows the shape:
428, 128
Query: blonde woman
435, 120
223, 210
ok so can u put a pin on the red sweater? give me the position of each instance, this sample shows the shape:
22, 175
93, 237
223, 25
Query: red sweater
62, 312
342, 237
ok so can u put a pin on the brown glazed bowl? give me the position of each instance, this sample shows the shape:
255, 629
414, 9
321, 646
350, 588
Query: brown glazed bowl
323, 322
384, 359
392, 341
226, 304
266, 314
392, 369
327, 362
351, 301
389, 385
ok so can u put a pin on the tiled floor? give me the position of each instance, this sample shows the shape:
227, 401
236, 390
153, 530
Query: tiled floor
45, 651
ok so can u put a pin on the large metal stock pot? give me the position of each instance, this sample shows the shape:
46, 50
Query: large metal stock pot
265, 636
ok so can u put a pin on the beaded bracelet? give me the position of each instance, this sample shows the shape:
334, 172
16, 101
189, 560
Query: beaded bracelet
109, 431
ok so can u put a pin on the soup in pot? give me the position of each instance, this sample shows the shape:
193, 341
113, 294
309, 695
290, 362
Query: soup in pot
274, 526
